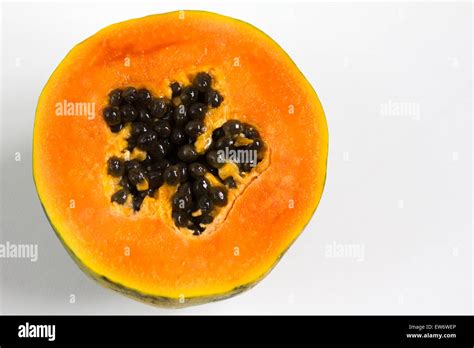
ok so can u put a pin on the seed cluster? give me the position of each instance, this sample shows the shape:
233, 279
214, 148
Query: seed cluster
166, 129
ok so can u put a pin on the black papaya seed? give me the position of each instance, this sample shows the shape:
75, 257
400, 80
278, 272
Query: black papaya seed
120, 196
115, 167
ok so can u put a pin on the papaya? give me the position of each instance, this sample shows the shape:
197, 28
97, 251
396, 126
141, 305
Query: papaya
178, 156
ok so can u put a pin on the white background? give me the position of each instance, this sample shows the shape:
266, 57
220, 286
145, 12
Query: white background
398, 188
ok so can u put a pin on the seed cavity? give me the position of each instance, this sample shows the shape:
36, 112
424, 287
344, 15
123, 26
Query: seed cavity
166, 131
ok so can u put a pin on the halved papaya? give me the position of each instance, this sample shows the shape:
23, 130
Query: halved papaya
178, 156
